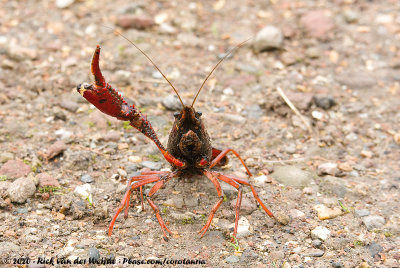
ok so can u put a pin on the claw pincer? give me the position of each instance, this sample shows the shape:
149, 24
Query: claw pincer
109, 101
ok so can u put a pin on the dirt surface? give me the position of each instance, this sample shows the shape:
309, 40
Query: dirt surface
64, 165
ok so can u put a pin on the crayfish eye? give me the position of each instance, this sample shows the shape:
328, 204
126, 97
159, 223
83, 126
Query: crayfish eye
198, 114
176, 114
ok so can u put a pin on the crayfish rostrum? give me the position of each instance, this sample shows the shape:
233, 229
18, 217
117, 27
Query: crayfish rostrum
189, 149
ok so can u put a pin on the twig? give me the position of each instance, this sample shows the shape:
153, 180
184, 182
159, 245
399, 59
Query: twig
294, 109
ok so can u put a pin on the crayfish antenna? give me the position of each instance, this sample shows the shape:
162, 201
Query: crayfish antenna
215, 67
155, 66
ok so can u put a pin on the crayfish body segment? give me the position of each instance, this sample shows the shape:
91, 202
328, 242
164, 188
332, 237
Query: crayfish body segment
189, 149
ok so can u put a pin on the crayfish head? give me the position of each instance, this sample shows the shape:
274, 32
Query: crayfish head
188, 139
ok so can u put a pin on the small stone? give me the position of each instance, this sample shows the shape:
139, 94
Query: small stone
270, 37
327, 168
248, 204
261, 180
317, 23
135, 159
296, 214
69, 105
366, 154
362, 212
122, 173
282, 218
302, 100
374, 249
112, 136
357, 80
133, 21
21, 189
187, 217
123, 77
345, 167
350, 16
63, 134
320, 233
325, 213
232, 259
148, 221
5, 156
373, 222
316, 243
86, 178
254, 111
314, 253
313, 52
47, 180
337, 264
60, 216
152, 165
192, 201
248, 256
15, 169
308, 190
178, 201
171, 102
243, 227
277, 255
64, 3
55, 149
228, 91
294, 176
94, 253
324, 102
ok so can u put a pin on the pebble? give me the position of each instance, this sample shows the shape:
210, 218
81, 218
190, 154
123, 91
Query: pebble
374, 249
362, 212
64, 3
317, 23
254, 111
94, 253
123, 77
325, 213
192, 202
186, 217
243, 227
313, 52
350, 16
261, 180
152, 165
357, 79
314, 253
122, 173
324, 102
112, 136
171, 102
84, 191
248, 256
47, 180
327, 168
316, 243
63, 134
15, 169
294, 176
373, 222
55, 149
21, 189
282, 218
141, 22
232, 259
270, 37
320, 232
302, 100
178, 201
228, 91
86, 178
69, 105
248, 204
5, 156
337, 264
296, 214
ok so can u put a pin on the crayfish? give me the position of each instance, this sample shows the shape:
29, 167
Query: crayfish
189, 149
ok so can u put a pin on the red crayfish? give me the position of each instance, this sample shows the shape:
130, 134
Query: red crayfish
189, 149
